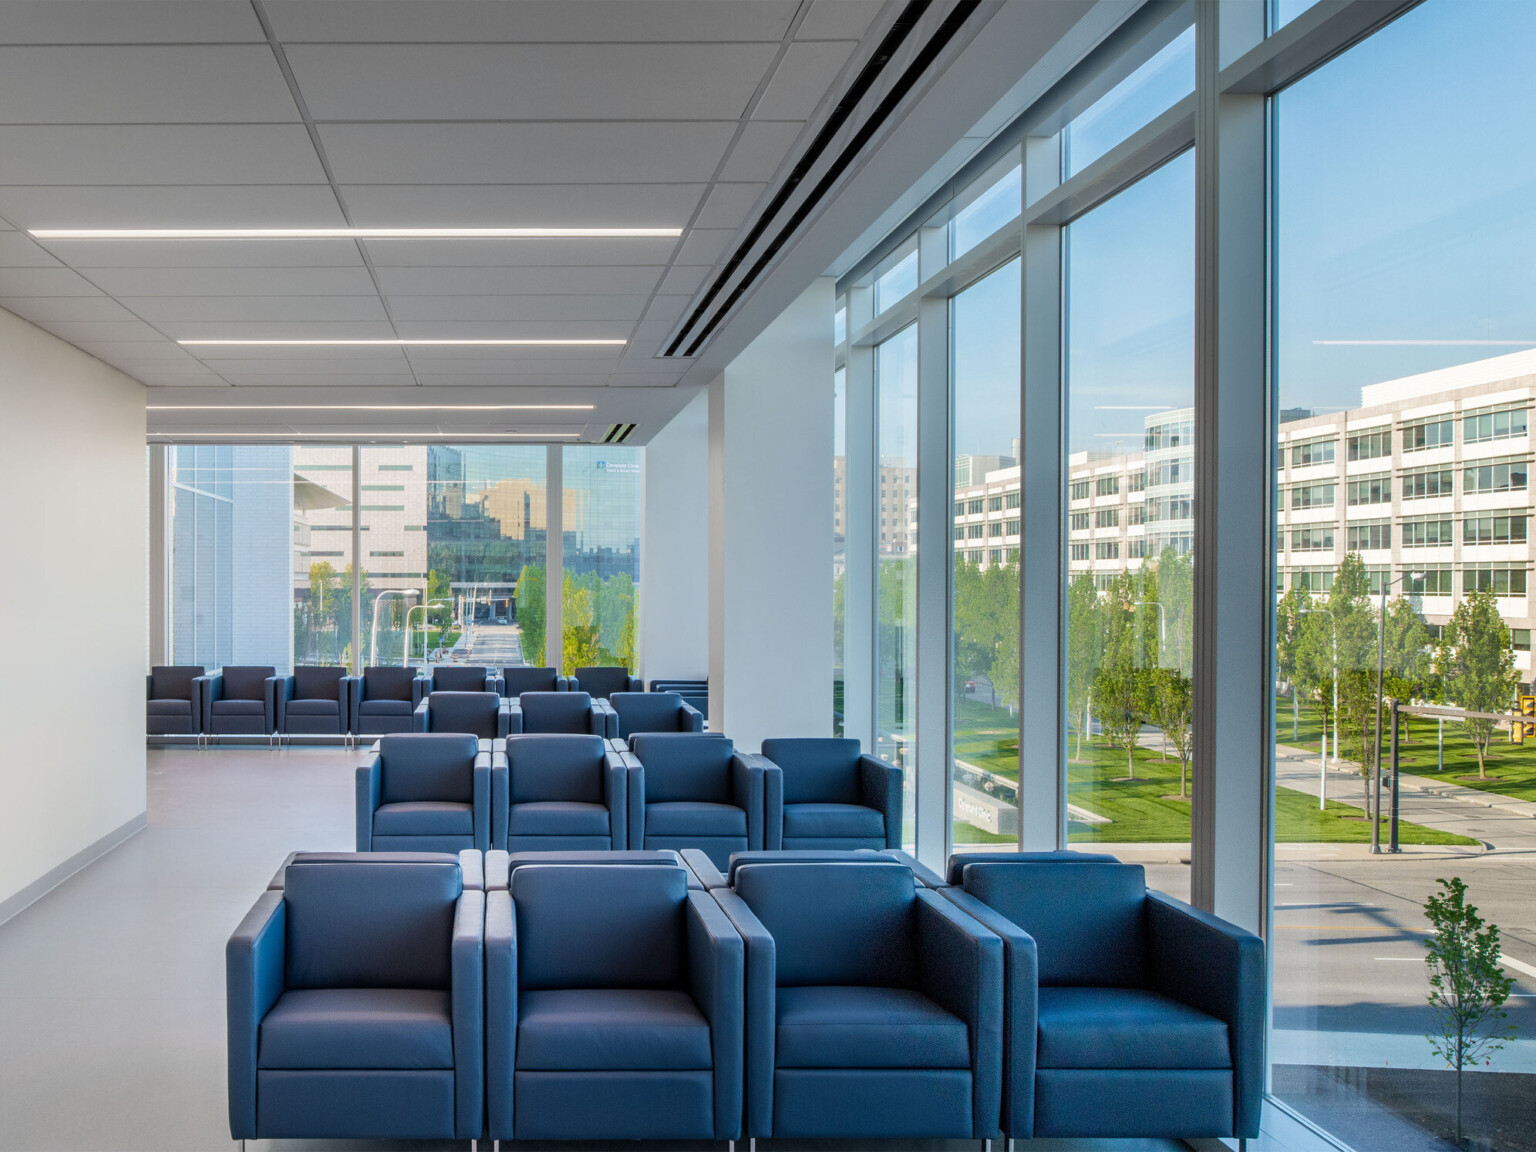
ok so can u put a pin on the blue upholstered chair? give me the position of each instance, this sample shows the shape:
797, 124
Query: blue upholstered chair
425, 792
1127, 1013
499, 865
355, 1001
832, 796
516, 681
174, 700
613, 1008
603, 682
463, 678
471, 863
711, 876
482, 714
639, 712
559, 793
696, 692
694, 791
955, 869
874, 1006
570, 713
240, 700
313, 702
384, 699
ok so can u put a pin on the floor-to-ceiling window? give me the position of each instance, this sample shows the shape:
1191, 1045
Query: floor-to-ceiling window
600, 592
322, 553
839, 529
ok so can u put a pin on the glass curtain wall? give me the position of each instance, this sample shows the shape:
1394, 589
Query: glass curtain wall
839, 531
601, 510
1405, 351
322, 553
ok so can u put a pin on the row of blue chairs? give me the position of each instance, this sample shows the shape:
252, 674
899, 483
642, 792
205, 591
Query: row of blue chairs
795, 995
443, 792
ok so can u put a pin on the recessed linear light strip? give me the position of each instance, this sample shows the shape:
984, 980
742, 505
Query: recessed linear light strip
200, 433
368, 407
348, 233
402, 343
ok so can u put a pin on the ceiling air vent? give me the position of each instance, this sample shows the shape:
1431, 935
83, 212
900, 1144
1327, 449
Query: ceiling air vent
618, 433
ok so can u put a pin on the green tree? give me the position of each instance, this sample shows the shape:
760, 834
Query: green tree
341, 598
1477, 666
531, 613
1288, 620
1171, 706
1121, 702
1357, 721
579, 644
614, 603
1176, 593
440, 587
1085, 652
1467, 988
627, 655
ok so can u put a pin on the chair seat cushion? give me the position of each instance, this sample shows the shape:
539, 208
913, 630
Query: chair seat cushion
358, 1028
170, 707
694, 818
1126, 1028
424, 818
385, 708
239, 708
312, 707
610, 1029
829, 821
850, 1026
557, 818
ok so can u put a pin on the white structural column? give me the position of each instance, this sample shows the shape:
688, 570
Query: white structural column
159, 554
1042, 608
1234, 547
554, 557
770, 571
674, 549
859, 517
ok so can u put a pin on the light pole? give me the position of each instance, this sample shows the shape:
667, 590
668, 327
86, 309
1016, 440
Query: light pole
424, 608
1381, 660
373, 635
1322, 771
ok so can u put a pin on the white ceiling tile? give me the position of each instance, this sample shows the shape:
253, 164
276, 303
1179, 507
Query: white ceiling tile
479, 81
128, 22
515, 330
648, 330
668, 308
529, 21
522, 205
143, 84
76, 331
704, 246
219, 254
18, 251
165, 206
314, 309
520, 253
36, 281
658, 152
626, 308
518, 380
156, 379
137, 351
684, 281
728, 205
232, 281
802, 79
160, 154
215, 354
654, 380
277, 330
160, 368
304, 380
458, 354
491, 281
462, 366
313, 366
839, 19
43, 309
761, 149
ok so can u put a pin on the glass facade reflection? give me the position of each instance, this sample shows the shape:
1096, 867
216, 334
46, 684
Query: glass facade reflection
600, 594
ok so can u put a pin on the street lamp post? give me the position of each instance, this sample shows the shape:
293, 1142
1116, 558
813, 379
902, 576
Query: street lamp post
424, 608
1381, 659
1322, 772
373, 635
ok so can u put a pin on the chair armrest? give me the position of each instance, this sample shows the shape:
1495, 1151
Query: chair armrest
636, 684
1021, 1010
925, 875
279, 692
514, 717
253, 980
213, 689
747, 793
501, 797
504, 718
635, 795
773, 804
496, 867
149, 685
571, 685
1217, 967
961, 969
369, 780
422, 717
604, 720
616, 796
421, 688
482, 801
697, 861
472, 868
716, 971
759, 1009
468, 1006
354, 694
880, 785
500, 1011
690, 718
270, 687
495, 683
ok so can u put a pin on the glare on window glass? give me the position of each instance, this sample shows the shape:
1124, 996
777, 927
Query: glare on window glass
900, 281
985, 214
1134, 103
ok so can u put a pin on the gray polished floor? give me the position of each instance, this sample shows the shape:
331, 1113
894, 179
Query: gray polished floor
112, 985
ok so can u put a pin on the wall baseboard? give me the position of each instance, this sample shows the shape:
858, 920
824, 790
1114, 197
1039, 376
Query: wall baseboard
51, 879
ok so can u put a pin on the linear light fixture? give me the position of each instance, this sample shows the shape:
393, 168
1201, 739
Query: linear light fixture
200, 432
368, 407
400, 343
347, 233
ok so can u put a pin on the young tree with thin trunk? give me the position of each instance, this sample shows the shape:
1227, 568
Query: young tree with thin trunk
1477, 666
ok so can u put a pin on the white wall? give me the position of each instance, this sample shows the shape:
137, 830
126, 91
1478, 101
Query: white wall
674, 549
770, 530
74, 530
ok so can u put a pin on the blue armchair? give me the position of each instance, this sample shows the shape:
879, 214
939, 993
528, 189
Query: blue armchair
313, 702
240, 700
471, 863
462, 678
570, 713
1127, 1013
559, 793
696, 692
481, 714
174, 700
955, 870
499, 865
711, 876
832, 796
874, 1006
355, 1002
694, 791
604, 682
425, 793
639, 712
517, 680
613, 1008
384, 699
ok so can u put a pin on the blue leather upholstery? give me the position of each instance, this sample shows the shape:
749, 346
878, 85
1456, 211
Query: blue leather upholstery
425, 792
695, 692
654, 712
614, 1007
355, 1000
832, 796
601, 683
874, 1006
500, 865
462, 678
958, 860
516, 681
384, 699
815, 856
313, 702
174, 700
481, 714
694, 791
241, 700
569, 713
471, 863
559, 793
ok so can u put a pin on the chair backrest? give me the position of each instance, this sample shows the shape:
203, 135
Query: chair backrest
845, 923
459, 678
472, 712
369, 925
556, 768
173, 681
603, 682
427, 766
322, 683
647, 712
817, 770
955, 872
247, 681
520, 680
685, 766
740, 860
600, 926
551, 712
1088, 918
386, 683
